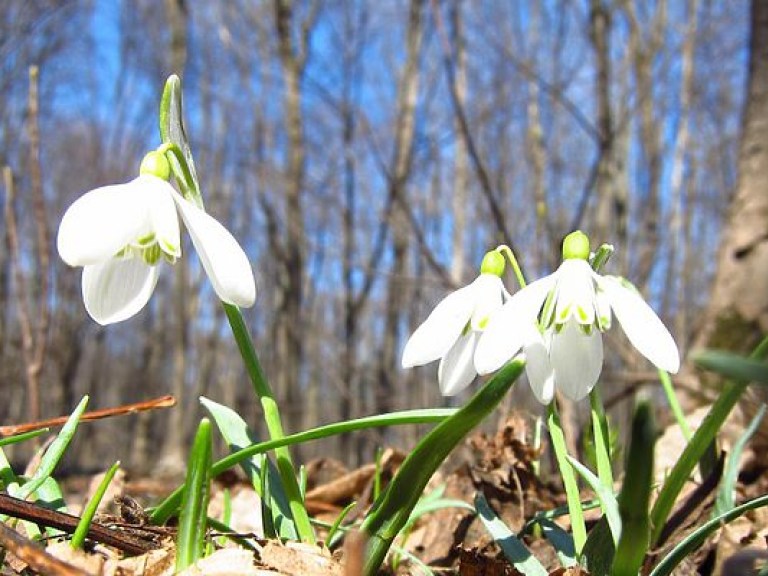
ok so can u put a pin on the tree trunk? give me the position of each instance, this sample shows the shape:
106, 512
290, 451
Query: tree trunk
737, 316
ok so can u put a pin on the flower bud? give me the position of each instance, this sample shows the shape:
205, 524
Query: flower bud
576, 246
156, 164
493, 263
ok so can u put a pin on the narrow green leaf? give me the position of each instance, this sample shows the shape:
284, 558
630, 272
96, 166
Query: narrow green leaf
172, 132
238, 436
607, 499
635, 497
674, 405
334, 529
514, 550
699, 444
572, 495
725, 500
695, 539
168, 507
390, 512
601, 435
561, 541
54, 452
733, 366
23, 437
193, 522
78, 538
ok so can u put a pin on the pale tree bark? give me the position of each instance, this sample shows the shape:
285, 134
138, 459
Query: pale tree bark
737, 315
396, 297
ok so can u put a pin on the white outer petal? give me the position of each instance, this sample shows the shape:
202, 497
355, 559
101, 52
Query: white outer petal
538, 367
441, 329
102, 222
457, 368
642, 326
222, 257
577, 360
506, 333
162, 213
117, 289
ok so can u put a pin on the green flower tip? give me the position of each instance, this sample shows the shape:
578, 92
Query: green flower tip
576, 246
493, 263
156, 164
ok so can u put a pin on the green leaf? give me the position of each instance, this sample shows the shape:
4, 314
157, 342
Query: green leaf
390, 512
54, 452
561, 541
725, 500
635, 497
699, 444
695, 539
238, 436
599, 550
78, 538
515, 551
193, 522
601, 434
607, 499
24, 436
169, 506
733, 366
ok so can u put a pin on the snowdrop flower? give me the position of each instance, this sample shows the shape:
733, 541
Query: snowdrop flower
452, 330
567, 352
120, 233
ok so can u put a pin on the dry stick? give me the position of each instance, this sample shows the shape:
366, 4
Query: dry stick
161, 402
34, 556
68, 523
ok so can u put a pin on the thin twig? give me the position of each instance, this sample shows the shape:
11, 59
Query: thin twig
34, 556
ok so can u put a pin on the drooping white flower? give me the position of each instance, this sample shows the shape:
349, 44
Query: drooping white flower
119, 234
451, 331
564, 347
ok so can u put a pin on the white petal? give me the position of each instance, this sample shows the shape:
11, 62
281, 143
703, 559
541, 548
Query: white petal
102, 222
162, 212
642, 326
222, 257
457, 369
489, 296
577, 359
575, 292
441, 329
117, 289
538, 367
506, 332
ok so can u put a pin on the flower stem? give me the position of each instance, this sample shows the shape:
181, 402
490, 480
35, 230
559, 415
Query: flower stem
602, 439
674, 405
569, 479
274, 424
507, 251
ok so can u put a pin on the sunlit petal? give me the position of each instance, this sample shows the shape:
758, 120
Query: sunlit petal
117, 289
165, 220
224, 260
457, 368
642, 326
489, 296
101, 223
538, 367
577, 359
505, 333
441, 329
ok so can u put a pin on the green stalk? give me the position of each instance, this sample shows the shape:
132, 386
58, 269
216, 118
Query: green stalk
677, 411
391, 512
274, 424
602, 440
572, 495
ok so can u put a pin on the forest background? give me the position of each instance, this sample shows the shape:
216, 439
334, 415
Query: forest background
366, 154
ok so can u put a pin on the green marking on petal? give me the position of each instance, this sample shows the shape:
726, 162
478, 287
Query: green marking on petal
152, 254
467, 329
564, 314
582, 313
168, 248
146, 240
586, 328
483, 322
